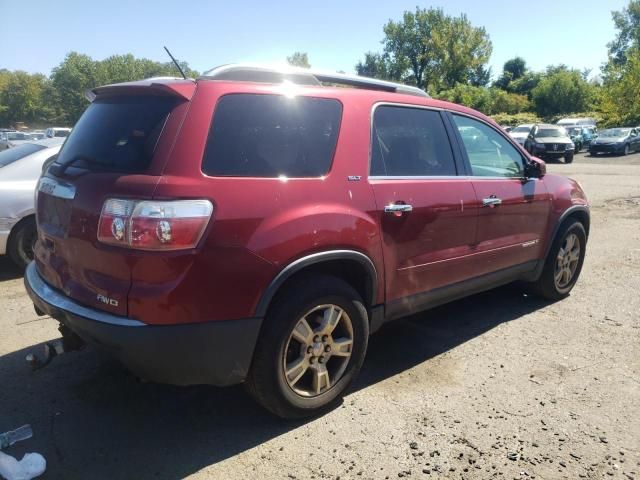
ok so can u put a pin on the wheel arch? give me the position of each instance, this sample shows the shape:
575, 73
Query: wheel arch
354, 267
576, 212
14, 228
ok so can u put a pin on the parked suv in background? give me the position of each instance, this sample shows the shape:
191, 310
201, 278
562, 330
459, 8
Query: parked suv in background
550, 142
576, 136
256, 225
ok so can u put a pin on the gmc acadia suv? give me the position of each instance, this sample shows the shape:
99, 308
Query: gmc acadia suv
257, 225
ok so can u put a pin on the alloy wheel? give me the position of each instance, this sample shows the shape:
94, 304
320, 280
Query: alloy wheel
318, 350
567, 261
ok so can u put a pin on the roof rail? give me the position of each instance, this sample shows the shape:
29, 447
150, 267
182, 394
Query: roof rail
303, 76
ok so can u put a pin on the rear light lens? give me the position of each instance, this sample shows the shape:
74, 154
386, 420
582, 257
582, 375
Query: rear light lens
154, 225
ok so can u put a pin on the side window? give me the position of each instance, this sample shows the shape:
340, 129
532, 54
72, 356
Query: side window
409, 142
272, 136
490, 154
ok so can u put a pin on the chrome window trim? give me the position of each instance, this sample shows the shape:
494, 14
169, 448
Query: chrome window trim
449, 177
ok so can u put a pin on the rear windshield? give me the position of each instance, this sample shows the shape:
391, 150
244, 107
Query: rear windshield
16, 153
61, 133
117, 134
272, 136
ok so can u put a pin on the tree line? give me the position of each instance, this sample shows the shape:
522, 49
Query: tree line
445, 55
59, 99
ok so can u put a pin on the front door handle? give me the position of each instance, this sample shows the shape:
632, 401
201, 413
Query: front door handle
398, 208
492, 201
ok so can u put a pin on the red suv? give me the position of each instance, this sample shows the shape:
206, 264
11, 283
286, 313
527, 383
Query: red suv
257, 225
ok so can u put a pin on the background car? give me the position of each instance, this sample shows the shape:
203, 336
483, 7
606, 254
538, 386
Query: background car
10, 139
577, 121
621, 141
521, 132
20, 168
53, 132
575, 134
550, 142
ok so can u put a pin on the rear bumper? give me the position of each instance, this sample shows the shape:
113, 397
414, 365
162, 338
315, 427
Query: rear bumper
611, 148
215, 353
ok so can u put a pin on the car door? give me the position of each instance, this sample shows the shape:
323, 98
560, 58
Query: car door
634, 140
514, 210
426, 213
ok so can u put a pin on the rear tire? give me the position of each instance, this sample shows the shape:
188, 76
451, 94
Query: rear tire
568, 157
564, 263
290, 375
21, 242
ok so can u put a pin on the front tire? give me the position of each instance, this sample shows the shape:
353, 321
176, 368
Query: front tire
625, 152
564, 263
22, 241
310, 348
568, 157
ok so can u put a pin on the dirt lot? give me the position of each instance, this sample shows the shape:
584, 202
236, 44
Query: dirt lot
498, 385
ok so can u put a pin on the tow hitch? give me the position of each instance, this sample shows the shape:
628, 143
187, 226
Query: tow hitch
68, 343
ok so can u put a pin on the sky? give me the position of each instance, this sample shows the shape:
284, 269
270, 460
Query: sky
334, 33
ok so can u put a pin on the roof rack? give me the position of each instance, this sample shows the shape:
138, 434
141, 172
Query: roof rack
303, 76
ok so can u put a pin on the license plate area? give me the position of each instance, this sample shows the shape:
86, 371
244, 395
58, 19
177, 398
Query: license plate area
54, 206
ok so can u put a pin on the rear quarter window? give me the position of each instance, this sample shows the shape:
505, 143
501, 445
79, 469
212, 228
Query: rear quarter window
272, 136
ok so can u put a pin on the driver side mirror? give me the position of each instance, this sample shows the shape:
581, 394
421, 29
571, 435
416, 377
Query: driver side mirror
535, 168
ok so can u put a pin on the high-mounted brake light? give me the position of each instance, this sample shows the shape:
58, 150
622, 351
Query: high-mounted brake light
154, 225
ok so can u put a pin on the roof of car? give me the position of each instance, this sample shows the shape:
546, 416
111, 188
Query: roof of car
260, 73
548, 125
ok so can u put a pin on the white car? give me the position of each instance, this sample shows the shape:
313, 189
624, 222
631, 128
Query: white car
55, 132
521, 133
20, 168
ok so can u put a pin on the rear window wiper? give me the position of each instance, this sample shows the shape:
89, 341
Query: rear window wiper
75, 159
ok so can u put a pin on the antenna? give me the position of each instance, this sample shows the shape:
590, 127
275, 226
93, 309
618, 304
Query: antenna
176, 63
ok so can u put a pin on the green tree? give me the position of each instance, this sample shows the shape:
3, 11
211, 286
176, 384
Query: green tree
71, 79
299, 59
376, 65
562, 91
489, 101
620, 94
512, 70
627, 22
21, 96
432, 50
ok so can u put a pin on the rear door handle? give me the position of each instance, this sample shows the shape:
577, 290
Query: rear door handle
398, 208
491, 201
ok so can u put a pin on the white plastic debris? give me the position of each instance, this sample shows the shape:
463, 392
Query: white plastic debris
31, 466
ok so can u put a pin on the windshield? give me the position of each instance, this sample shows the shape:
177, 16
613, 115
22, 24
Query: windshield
574, 130
61, 133
615, 132
16, 153
117, 134
550, 132
521, 130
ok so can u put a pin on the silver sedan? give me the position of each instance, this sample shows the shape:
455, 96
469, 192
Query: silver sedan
20, 168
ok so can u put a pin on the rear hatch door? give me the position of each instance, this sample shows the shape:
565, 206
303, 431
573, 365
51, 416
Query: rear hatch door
117, 149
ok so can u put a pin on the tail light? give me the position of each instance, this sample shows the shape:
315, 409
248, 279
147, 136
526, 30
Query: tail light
154, 225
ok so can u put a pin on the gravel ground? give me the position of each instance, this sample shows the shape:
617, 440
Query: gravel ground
498, 385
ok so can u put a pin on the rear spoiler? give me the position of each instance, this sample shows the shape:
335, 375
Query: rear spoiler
167, 86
